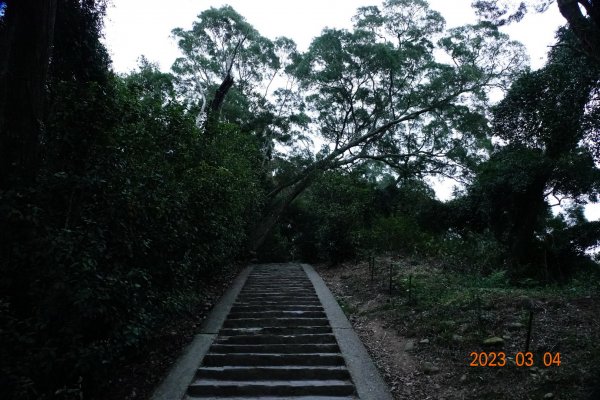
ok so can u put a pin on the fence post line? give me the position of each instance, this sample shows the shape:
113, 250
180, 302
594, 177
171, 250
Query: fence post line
529, 328
391, 278
372, 265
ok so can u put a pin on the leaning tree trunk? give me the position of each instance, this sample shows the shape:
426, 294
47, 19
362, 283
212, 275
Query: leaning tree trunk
214, 111
283, 195
276, 209
26, 36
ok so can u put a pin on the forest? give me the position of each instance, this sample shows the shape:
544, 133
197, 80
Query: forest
125, 199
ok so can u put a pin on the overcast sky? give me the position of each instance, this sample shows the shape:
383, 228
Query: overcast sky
136, 27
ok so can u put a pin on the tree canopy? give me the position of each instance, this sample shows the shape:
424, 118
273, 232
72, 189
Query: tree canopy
398, 88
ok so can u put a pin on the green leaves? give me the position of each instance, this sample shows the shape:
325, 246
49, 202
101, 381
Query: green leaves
379, 91
222, 44
548, 108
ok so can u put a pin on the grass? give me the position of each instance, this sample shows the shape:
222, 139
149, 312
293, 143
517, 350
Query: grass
348, 308
446, 288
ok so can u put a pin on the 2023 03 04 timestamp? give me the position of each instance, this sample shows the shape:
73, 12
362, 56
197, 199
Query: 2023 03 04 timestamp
521, 359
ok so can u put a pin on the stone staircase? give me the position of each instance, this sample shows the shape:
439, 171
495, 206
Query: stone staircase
275, 343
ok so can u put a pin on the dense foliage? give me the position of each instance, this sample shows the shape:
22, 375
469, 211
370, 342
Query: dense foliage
545, 129
131, 213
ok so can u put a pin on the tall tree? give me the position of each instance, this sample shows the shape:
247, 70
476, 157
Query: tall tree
382, 92
397, 88
26, 37
226, 56
583, 17
546, 119
79, 70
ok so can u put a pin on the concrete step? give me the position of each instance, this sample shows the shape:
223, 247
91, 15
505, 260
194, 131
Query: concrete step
272, 373
267, 359
274, 322
275, 330
298, 280
270, 303
276, 314
275, 288
278, 294
276, 297
277, 291
274, 348
188, 397
271, 289
205, 387
263, 287
276, 339
242, 308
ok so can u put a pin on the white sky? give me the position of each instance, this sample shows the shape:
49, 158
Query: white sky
143, 27
136, 27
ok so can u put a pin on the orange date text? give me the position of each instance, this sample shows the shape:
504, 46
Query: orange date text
521, 359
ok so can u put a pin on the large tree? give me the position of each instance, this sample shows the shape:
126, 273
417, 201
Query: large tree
225, 56
400, 89
397, 88
546, 120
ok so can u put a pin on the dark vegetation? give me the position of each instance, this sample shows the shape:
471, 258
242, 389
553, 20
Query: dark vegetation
128, 213
122, 197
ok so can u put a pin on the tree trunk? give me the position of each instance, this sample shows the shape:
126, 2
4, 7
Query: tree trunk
284, 194
586, 30
214, 111
25, 46
276, 210
525, 221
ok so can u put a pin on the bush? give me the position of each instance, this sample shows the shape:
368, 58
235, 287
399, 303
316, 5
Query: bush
471, 252
111, 239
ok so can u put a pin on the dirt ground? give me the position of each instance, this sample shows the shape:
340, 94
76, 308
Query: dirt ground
423, 347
